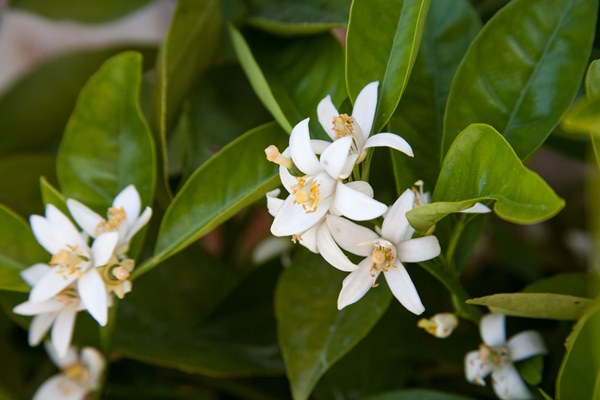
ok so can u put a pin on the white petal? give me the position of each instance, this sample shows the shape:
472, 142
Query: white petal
334, 157
319, 145
38, 307
475, 368
292, 219
270, 248
308, 239
417, 250
95, 364
350, 236
392, 140
364, 108
355, 205
35, 273
273, 202
395, 225
92, 291
403, 288
63, 227
326, 111
492, 329
331, 252
70, 358
60, 387
62, 331
349, 166
138, 224
103, 248
45, 235
356, 284
478, 208
87, 219
50, 285
39, 326
508, 384
301, 150
287, 179
129, 200
362, 187
526, 344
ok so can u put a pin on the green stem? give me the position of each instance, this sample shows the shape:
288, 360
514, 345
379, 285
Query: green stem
105, 345
145, 267
459, 227
367, 166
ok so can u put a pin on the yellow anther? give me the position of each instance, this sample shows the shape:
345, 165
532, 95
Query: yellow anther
296, 238
383, 258
343, 125
115, 217
67, 261
309, 199
76, 372
428, 324
273, 155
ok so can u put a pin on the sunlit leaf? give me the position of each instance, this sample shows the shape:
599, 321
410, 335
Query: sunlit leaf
382, 44
523, 71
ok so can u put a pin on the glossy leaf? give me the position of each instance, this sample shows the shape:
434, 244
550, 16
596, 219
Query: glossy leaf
312, 333
289, 17
288, 82
107, 144
382, 44
578, 377
18, 250
194, 317
481, 166
531, 370
522, 71
76, 10
417, 394
232, 179
535, 305
420, 114
584, 117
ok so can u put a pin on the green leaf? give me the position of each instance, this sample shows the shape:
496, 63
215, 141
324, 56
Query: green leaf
583, 117
417, 394
571, 283
382, 44
107, 144
288, 82
535, 305
522, 71
420, 114
592, 80
312, 333
545, 395
481, 166
232, 179
92, 12
51, 195
290, 17
579, 376
531, 370
194, 318
18, 250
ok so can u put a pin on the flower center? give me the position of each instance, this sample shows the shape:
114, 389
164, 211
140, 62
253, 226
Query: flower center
115, 217
117, 273
306, 195
77, 372
343, 125
496, 356
68, 261
383, 258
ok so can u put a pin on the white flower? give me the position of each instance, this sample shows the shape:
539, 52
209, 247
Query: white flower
72, 260
123, 217
81, 374
320, 190
496, 356
440, 325
384, 253
358, 127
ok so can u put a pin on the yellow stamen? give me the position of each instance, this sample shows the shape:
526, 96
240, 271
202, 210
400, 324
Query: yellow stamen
77, 372
115, 217
67, 261
296, 238
343, 125
309, 199
273, 155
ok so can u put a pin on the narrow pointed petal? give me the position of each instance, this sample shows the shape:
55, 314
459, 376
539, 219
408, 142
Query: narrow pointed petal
39, 326
355, 205
475, 368
350, 236
70, 358
334, 157
292, 219
395, 225
87, 219
326, 111
349, 166
38, 307
92, 291
62, 331
60, 387
309, 239
492, 329
356, 284
269, 248
50, 285
287, 179
331, 252
391, 140
478, 208
319, 145
273, 202
526, 344
95, 364
103, 248
417, 250
63, 227
362, 187
138, 224
45, 235
364, 108
301, 149
403, 289
129, 200
35, 273
508, 384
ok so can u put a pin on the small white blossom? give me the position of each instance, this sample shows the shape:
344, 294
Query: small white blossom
80, 375
496, 356
440, 325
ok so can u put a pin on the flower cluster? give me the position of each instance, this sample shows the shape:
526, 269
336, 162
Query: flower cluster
80, 276
324, 201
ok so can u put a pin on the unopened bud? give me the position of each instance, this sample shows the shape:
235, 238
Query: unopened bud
440, 325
